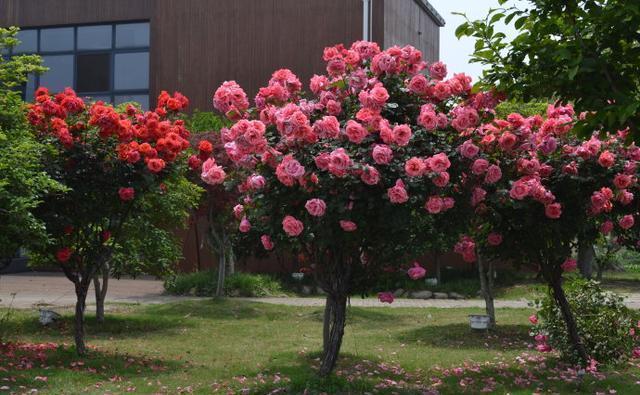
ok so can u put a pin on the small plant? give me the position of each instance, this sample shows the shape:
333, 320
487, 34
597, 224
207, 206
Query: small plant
607, 327
237, 284
197, 283
247, 284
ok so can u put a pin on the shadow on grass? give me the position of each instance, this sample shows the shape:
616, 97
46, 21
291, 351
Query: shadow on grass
58, 367
502, 337
215, 309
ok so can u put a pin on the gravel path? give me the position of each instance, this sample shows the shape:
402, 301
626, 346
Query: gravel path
29, 290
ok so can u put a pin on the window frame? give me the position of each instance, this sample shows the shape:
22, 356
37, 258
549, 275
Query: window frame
113, 51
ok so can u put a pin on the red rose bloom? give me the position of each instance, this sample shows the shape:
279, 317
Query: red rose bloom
126, 194
155, 165
63, 254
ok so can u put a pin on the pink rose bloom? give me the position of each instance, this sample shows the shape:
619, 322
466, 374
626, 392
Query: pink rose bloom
607, 159
266, 242
448, 202
348, 226
318, 83
636, 352
569, 265
316, 207
292, 226
494, 239
441, 91
494, 174
416, 272
355, 132
379, 95
469, 150
370, 175
397, 193
418, 85
382, 154
212, 174
519, 190
479, 166
553, 210
439, 162
434, 204
385, 297
333, 107
438, 71
415, 167
339, 162
606, 227
533, 319
478, 195
401, 135
441, 180
256, 182
625, 197
626, 222
507, 141
622, 181
292, 167
322, 161
245, 225
428, 118
327, 127
543, 347
238, 210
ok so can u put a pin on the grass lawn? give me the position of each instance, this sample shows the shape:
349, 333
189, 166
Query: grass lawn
228, 346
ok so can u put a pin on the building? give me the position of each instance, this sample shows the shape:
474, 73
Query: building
123, 50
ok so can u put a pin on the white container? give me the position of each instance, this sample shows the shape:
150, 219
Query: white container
479, 321
297, 276
431, 281
48, 317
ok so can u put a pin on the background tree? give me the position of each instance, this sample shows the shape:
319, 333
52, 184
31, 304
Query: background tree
112, 163
582, 51
22, 179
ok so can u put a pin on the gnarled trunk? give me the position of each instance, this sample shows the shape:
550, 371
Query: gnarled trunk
335, 319
222, 266
486, 288
586, 256
82, 288
560, 297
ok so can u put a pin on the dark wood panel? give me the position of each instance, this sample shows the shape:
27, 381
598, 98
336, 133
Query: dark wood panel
406, 22
197, 44
62, 12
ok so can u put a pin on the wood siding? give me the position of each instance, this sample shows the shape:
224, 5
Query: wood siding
405, 22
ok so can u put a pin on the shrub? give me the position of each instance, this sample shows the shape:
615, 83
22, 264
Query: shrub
247, 284
237, 284
607, 327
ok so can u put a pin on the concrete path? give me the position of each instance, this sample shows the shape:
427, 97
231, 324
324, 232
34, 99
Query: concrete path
29, 290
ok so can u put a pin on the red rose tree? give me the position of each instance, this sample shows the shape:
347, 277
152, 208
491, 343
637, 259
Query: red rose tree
349, 177
538, 189
110, 160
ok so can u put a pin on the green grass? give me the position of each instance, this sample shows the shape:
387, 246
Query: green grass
204, 345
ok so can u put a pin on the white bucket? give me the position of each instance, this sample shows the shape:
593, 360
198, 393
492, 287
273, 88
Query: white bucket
479, 321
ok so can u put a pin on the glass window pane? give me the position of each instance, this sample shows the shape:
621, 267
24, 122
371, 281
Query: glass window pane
131, 71
30, 88
56, 39
93, 72
29, 41
94, 37
143, 100
60, 74
132, 35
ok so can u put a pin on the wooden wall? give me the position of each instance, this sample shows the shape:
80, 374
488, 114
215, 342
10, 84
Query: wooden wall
405, 22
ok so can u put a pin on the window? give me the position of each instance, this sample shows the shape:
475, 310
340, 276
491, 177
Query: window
108, 62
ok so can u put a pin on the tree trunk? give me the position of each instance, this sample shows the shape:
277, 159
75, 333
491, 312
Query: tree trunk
586, 256
231, 262
101, 291
82, 287
567, 315
486, 288
333, 330
221, 272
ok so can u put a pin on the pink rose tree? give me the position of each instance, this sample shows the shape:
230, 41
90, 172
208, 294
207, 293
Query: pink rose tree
351, 176
119, 166
539, 189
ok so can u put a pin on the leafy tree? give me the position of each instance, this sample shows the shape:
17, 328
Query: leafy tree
582, 51
22, 179
116, 164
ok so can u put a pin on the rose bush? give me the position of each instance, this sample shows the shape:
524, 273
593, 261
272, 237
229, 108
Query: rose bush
115, 164
538, 188
350, 178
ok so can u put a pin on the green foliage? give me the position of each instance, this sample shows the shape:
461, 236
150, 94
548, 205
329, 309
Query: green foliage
525, 109
22, 180
205, 121
584, 51
603, 321
237, 284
